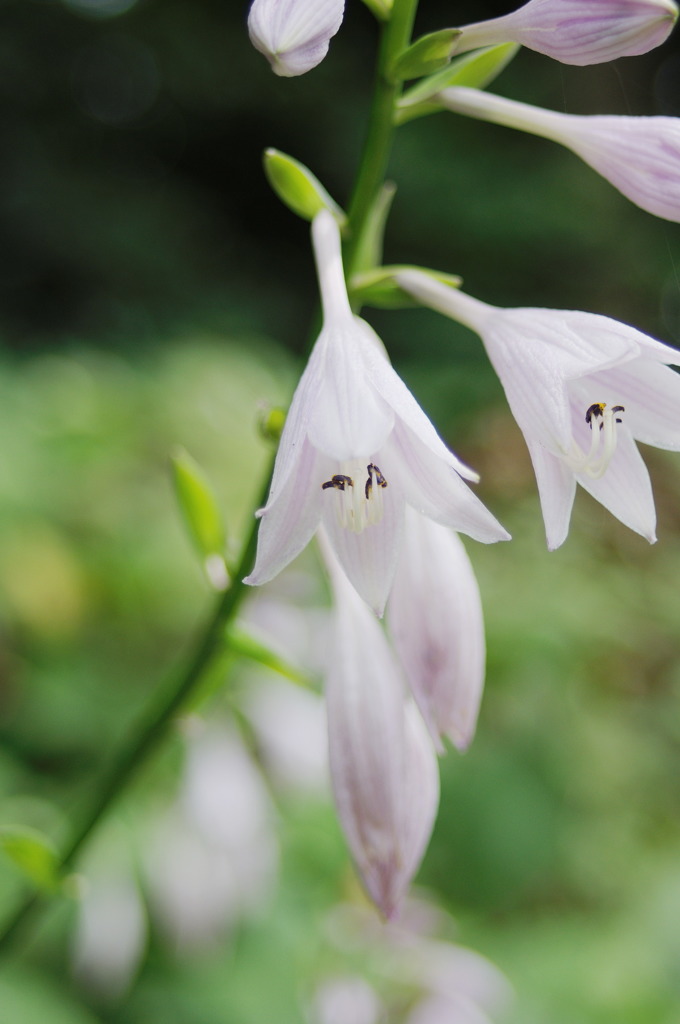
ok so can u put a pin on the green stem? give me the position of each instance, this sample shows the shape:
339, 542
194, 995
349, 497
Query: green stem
150, 731
396, 36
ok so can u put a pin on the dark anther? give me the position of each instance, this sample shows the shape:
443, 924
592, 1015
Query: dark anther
618, 408
373, 471
339, 481
594, 410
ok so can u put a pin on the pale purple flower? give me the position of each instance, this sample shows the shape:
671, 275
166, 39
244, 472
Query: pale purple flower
294, 35
577, 31
640, 156
111, 932
436, 623
383, 764
355, 450
583, 389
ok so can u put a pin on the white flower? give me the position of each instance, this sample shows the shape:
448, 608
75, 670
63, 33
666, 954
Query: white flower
356, 448
294, 35
640, 156
436, 623
577, 31
583, 389
383, 765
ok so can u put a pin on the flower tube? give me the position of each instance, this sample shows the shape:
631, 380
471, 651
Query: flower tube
577, 31
583, 389
437, 626
355, 450
640, 156
294, 35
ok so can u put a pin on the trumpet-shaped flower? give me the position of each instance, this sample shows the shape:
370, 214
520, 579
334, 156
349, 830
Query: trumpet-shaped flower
436, 622
294, 35
583, 389
640, 156
577, 31
355, 450
383, 765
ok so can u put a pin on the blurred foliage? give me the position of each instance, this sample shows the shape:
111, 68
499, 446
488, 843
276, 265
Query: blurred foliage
153, 289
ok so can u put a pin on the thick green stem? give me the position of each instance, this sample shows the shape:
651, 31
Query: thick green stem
396, 36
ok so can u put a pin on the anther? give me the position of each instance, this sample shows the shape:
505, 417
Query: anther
339, 481
373, 471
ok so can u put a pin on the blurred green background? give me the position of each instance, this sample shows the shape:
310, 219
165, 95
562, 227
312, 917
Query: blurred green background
155, 293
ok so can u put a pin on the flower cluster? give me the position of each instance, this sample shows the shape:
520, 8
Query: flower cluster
361, 465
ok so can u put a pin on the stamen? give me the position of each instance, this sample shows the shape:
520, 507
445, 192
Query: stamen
602, 442
357, 510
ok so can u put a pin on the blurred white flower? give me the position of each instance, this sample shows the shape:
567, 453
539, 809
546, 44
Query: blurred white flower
577, 31
111, 932
355, 450
294, 35
213, 859
640, 156
342, 1000
436, 622
583, 389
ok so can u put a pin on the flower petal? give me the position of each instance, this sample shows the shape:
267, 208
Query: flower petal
420, 796
434, 489
365, 702
436, 623
557, 489
625, 488
289, 522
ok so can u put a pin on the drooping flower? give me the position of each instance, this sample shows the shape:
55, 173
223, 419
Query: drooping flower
577, 31
294, 35
383, 765
355, 450
436, 623
583, 389
640, 156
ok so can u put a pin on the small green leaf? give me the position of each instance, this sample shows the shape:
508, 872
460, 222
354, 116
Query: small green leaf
201, 514
475, 70
240, 642
298, 188
378, 287
33, 854
427, 54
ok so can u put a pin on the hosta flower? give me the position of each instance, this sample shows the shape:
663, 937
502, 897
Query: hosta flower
436, 623
577, 31
640, 156
294, 35
383, 765
583, 388
355, 450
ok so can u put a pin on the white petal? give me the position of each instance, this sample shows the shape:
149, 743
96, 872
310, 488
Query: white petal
420, 796
294, 35
557, 488
350, 419
368, 558
365, 702
625, 488
289, 522
650, 394
434, 489
578, 31
436, 623
391, 387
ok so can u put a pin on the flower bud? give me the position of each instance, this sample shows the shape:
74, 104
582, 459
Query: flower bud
294, 34
578, 31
